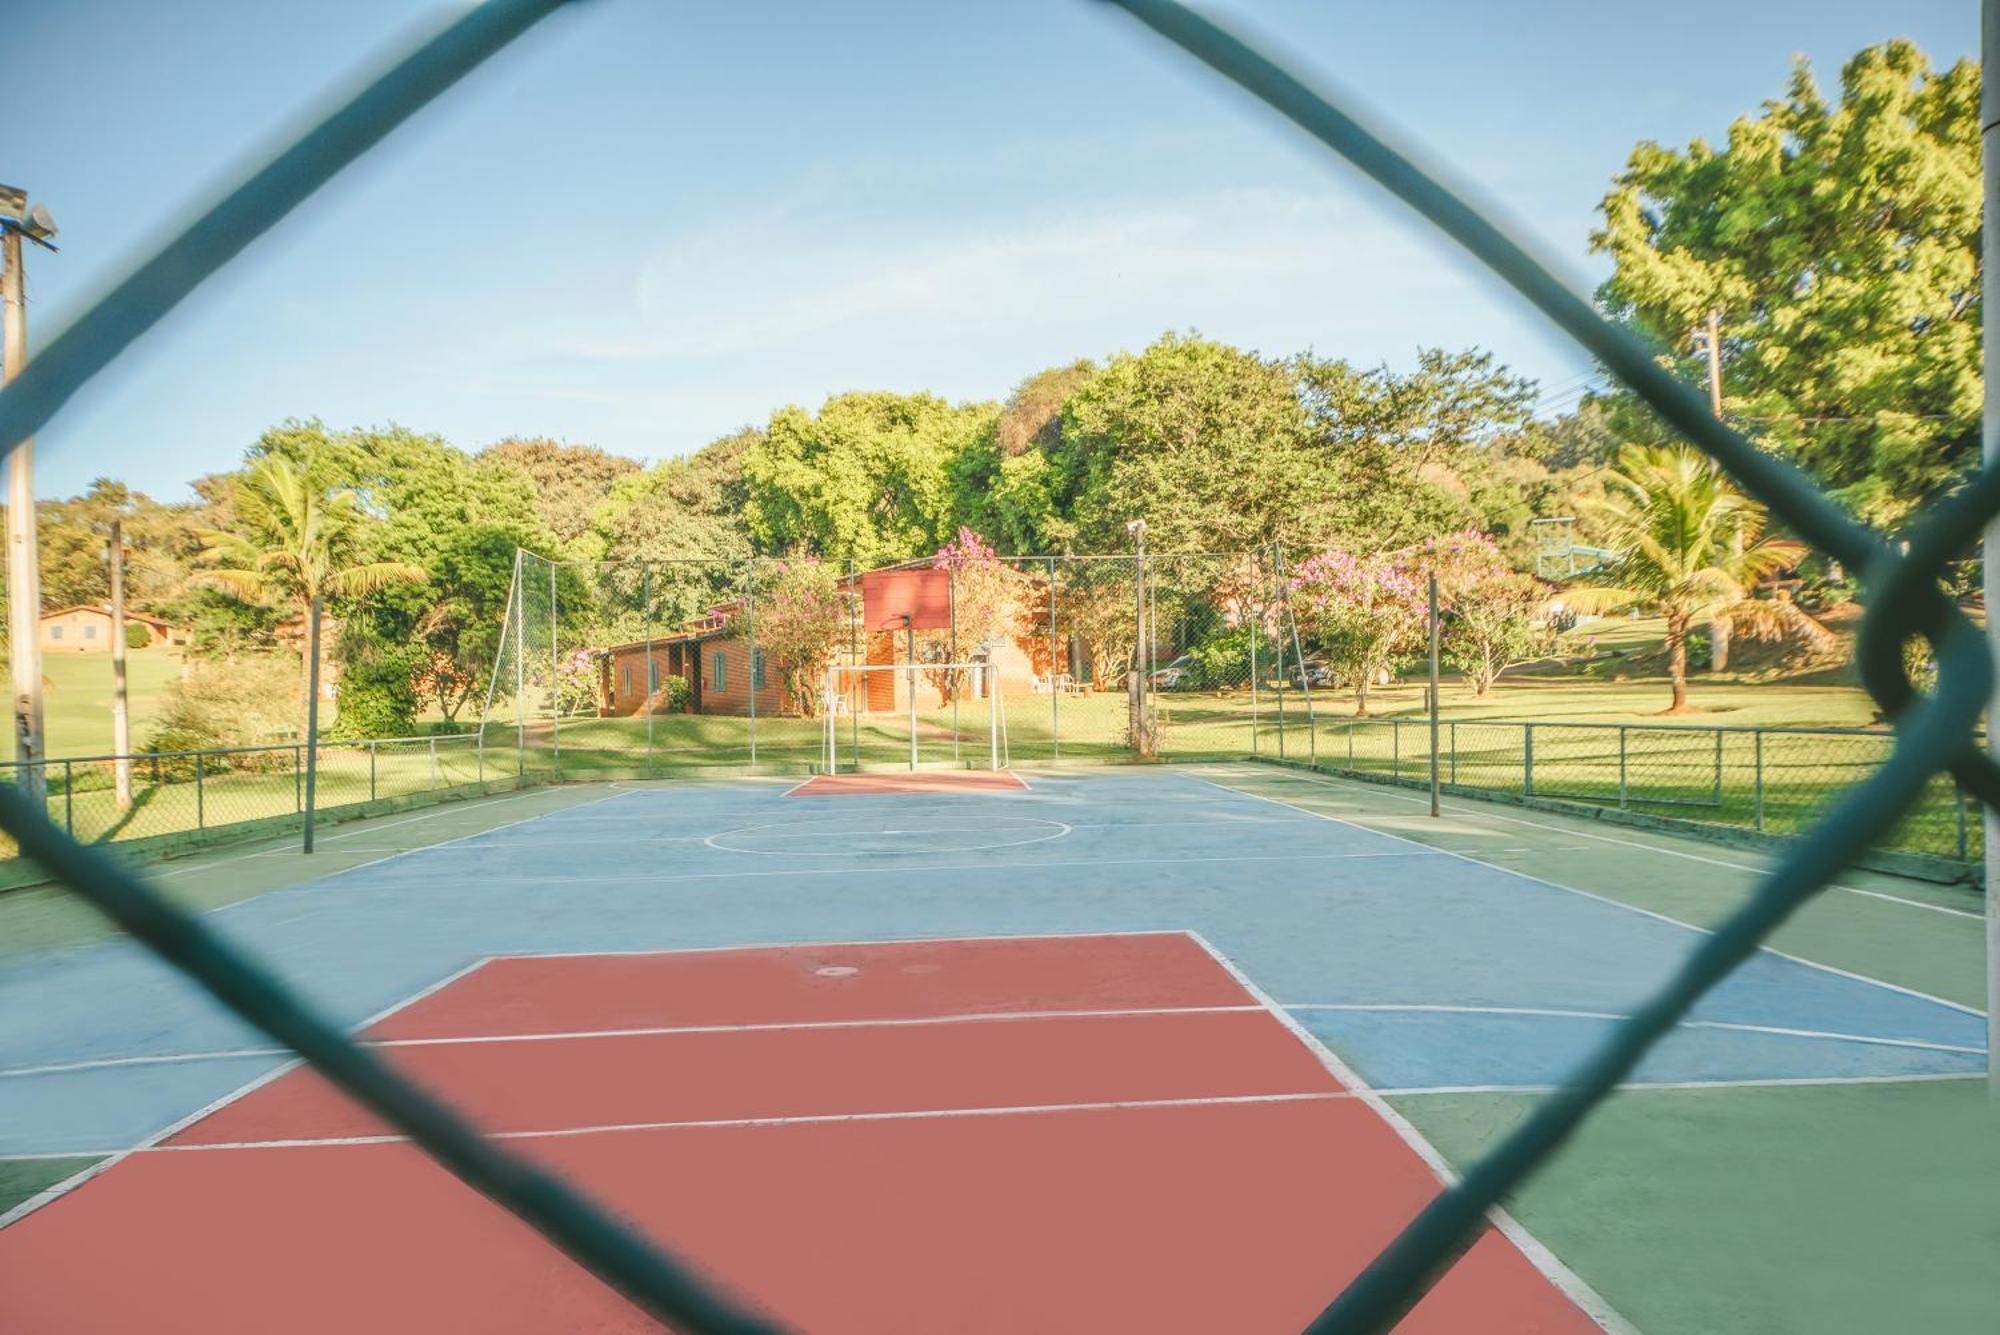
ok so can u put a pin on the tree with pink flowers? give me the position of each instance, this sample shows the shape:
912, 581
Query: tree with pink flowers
1362, 612
799, 614
985, 598
1492, 613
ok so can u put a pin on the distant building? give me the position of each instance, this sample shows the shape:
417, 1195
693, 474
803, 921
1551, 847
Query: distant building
84, 629
722, 671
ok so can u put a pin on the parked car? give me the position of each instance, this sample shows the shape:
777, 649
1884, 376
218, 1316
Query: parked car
1317, 672
1175, 674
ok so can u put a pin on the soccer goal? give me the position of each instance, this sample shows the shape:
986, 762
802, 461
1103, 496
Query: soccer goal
914, 714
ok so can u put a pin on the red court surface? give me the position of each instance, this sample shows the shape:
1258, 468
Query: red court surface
911, 781
1095, 1134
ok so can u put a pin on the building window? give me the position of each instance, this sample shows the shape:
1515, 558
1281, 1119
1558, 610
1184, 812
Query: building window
652, 675
625, 680
718, 676
756, 669
90, 631
55, 632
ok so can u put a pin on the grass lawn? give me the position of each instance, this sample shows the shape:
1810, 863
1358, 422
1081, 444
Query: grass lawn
76, 699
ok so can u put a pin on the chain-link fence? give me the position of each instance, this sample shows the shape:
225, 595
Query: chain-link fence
663, 667
1775, 781
162, 799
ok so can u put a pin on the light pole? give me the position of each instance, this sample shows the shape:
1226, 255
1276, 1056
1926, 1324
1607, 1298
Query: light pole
19, 218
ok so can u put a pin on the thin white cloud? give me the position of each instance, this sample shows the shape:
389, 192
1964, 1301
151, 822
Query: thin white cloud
1232, 258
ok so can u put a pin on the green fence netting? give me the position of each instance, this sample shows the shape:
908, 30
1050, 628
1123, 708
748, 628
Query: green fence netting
1934, 733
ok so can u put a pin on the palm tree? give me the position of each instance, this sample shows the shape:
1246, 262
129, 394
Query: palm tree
292, 543
1677, 518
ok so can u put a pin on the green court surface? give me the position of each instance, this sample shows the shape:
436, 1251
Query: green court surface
1819, 1208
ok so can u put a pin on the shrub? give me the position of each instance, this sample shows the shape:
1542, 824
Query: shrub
137, 635
378, 697
247, 701
673, 695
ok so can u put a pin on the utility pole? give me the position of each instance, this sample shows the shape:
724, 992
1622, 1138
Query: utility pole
1712, 338
24, 573
121, 717
1989, 246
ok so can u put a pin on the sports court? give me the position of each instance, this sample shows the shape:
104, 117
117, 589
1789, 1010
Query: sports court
1083, 1050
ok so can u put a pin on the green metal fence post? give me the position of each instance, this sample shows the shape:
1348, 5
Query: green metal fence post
1395, 749
69, 803
373, 746
1958, 810
1621, 767
1757, 765
436, 780
1718, 769
1527, 760
1253, 680
200, 795
1350, 745
298, 779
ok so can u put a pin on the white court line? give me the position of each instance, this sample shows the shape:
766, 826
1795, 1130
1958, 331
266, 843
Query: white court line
844, 944
1588, 1300
971, 1017
646, 1031
907, 869
1653, 848
1234, 822
75, 1180
363, 826
1605, 899
806, 1119
1651, 1086
1777, 1030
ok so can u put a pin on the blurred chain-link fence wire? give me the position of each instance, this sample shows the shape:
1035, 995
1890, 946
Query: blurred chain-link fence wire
1210, 659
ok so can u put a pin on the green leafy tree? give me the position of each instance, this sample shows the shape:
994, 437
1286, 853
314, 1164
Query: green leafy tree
159, 542
866, 478
686, 515
1835, 248
1203, 441
1409, 455
568, 483
1692, 545
1004, 483
295, 542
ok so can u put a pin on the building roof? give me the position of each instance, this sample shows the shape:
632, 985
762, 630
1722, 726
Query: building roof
130, 615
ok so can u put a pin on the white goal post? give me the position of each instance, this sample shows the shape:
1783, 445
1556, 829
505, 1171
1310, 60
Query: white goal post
865, 706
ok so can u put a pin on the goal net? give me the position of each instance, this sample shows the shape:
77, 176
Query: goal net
912, 715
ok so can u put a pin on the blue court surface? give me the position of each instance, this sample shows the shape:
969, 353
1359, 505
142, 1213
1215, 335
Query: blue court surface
1422, 969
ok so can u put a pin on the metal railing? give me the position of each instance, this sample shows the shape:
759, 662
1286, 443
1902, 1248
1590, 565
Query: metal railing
1762, 780
169, 793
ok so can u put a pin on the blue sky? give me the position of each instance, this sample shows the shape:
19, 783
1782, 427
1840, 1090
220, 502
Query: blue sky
650, 223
